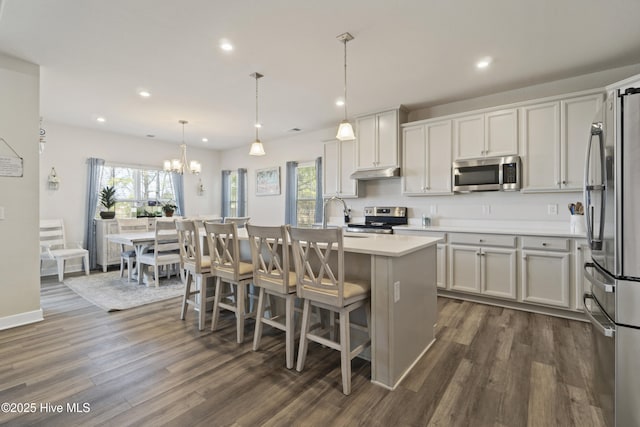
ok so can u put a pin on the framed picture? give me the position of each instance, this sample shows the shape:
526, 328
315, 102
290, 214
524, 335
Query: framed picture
268, 181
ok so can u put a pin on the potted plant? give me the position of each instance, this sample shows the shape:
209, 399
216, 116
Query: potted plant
108, 200
169, 208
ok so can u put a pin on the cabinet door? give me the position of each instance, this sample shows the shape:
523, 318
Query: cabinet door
498, 272
414, 160
577, 115
583, 253
113, 249
464, 268
469, 137
540, 146
387, 155
545, 278
366, 142
438, 175
331, 169
501, 133
347, 187
441, 266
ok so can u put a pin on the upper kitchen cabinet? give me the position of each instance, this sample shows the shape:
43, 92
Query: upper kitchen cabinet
486, 135
554, 138
338, 163
377, 139
426, 158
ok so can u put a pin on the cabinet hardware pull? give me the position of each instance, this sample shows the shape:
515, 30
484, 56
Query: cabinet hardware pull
480, 240
544, 244
564, 182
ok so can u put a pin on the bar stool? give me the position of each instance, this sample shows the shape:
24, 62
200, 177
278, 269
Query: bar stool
224, 251
196, 265
317, 253
271, 273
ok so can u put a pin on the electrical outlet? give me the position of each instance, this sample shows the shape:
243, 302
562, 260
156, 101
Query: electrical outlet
552, 209
486, 209
396, 292
433, 209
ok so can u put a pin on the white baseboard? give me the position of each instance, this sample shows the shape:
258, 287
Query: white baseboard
21, 319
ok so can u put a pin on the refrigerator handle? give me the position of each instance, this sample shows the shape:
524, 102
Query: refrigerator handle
594, 244
606, 287
607, 331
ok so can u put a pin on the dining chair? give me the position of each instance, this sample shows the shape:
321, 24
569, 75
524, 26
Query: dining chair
224, 250
240, 220
166, 251
272, 274
319, 263
53, 246
127, 253
196, 265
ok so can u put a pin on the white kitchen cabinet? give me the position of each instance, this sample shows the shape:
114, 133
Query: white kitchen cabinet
441, 253
582, 254
107, 253
545, 271
489, 269
338, 163
488, 134
426, 165
378, 140
554, 138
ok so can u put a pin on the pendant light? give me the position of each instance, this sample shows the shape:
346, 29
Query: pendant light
180, 165
345, 130
257, 149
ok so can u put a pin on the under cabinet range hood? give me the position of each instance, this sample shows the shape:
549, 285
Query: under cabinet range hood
369, 174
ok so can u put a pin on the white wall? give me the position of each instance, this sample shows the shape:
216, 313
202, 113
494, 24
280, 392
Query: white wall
19, 254
68, 148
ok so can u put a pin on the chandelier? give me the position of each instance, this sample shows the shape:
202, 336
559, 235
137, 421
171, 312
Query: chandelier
345, 130
180, 165
257, 149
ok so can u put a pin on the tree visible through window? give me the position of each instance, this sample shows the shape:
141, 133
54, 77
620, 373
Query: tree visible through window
306, 186
138, 191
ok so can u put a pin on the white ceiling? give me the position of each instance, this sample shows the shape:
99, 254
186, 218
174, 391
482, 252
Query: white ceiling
96, 54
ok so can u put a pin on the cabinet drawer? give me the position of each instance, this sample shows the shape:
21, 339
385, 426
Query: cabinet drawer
546, 243
483, 239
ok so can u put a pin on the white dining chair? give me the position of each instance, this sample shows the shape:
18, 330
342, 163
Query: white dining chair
54, 246
127, 253
166, 252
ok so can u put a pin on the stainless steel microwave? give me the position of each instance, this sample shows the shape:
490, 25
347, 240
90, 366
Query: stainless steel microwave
489, 174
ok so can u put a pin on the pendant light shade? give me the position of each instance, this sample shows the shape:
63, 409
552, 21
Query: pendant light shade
257, 149
345, 130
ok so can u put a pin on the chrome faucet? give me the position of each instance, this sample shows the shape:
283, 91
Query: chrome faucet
324, 210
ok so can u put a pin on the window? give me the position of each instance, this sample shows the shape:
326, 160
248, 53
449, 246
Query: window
306, 185
139, 191
234, 192
303, 200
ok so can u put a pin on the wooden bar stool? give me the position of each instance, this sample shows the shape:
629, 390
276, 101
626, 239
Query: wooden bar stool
196, 265
317, 253
224, 251
271, 273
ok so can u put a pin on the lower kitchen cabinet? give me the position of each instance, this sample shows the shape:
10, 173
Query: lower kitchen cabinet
583, 253
483, 264
441, 272
107, 253
545, 277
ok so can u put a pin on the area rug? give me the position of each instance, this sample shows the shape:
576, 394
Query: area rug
112, 293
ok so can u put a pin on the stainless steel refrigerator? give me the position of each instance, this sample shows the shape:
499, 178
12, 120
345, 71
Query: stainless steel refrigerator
612, 200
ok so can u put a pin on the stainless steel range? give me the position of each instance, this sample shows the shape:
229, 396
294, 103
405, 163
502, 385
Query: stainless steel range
380, 220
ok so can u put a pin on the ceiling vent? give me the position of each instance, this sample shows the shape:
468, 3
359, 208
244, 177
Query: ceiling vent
295, 130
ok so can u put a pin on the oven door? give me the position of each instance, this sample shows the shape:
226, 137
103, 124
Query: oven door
603, 337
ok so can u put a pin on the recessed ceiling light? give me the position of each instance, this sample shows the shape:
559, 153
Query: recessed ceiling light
205, 139
340, 102
101, 119
258, 125
226, 45
144, 93
483, 63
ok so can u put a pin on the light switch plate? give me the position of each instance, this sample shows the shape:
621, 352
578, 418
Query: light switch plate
433, 210
396, 291
1, 212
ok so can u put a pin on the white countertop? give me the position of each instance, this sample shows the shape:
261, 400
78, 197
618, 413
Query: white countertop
517, 231
393, 245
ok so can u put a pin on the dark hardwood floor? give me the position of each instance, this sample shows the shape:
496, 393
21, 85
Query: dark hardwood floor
489, 367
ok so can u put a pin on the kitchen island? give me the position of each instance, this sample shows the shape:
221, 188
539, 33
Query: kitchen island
402, 272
